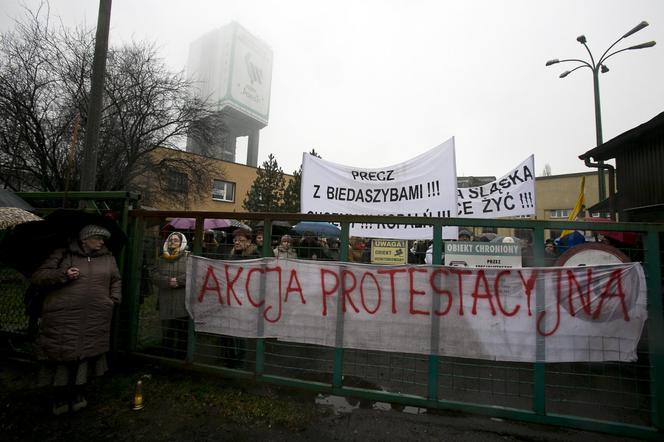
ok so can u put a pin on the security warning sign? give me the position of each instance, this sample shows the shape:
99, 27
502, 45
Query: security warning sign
389, 251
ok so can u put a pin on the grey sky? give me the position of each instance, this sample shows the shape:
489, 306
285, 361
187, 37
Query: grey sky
375, 82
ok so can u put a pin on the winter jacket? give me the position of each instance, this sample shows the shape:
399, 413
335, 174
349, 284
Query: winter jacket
251, 252
172, 300
76, 314
285, 252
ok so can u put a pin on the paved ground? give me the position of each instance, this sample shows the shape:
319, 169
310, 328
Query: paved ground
185, 406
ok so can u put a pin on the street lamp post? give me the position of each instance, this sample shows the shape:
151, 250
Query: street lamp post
596, 68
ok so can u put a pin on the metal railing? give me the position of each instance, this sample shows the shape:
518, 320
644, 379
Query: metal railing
614, 397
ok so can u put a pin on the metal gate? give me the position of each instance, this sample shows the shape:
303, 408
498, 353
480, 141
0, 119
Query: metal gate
613, 397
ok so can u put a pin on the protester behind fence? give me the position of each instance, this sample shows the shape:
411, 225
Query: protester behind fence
225, 241
285, 248
366, 252
332, 251
210, 245
310, 247
356, 249
524, 238
417, 252
465, 235
242, 246
259, 245
172, 283
550, 255
234, 348
325, 249
82, 285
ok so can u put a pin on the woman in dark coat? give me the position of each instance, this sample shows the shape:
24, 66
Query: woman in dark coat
82, 283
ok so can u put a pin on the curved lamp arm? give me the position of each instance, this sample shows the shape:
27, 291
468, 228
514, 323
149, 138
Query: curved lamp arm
649, 44
564, 60
566, 73
634, 30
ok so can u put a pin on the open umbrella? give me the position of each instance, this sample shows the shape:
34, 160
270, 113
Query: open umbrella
278, 227
487, 236
27, 245
11, 216
317, 228
14, 210
208, 223
70, 222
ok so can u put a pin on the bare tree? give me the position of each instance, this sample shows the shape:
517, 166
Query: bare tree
43, 76
547, 170
44, 83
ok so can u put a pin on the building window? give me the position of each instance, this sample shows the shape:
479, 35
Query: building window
223, 191
559, 213
176, 181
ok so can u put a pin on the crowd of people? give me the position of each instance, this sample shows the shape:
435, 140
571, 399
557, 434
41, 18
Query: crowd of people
243, 244
310, 246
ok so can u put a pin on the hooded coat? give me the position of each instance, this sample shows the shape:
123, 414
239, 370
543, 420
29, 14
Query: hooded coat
77, 314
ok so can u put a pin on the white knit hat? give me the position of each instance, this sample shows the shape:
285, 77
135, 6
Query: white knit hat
92, 230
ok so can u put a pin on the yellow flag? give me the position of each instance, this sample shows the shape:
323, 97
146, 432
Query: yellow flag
577, 208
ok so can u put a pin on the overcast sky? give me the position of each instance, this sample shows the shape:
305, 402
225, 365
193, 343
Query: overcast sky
374, 83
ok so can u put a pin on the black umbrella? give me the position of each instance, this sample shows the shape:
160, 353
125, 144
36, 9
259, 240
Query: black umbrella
27, 245
70, 222
278, 227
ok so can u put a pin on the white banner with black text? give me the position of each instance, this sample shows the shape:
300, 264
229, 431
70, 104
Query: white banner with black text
422, 186
511, 195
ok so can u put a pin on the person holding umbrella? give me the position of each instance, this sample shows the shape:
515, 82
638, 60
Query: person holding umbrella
82, 285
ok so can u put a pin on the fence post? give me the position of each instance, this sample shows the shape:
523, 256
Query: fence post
539, 372
260, 341
655, 326
337, 372
432, 383
133, 273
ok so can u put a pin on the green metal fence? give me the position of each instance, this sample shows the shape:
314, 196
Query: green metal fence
613, 397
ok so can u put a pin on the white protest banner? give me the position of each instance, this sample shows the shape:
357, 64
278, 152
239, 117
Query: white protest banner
422, 186
511, 195
593, 313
